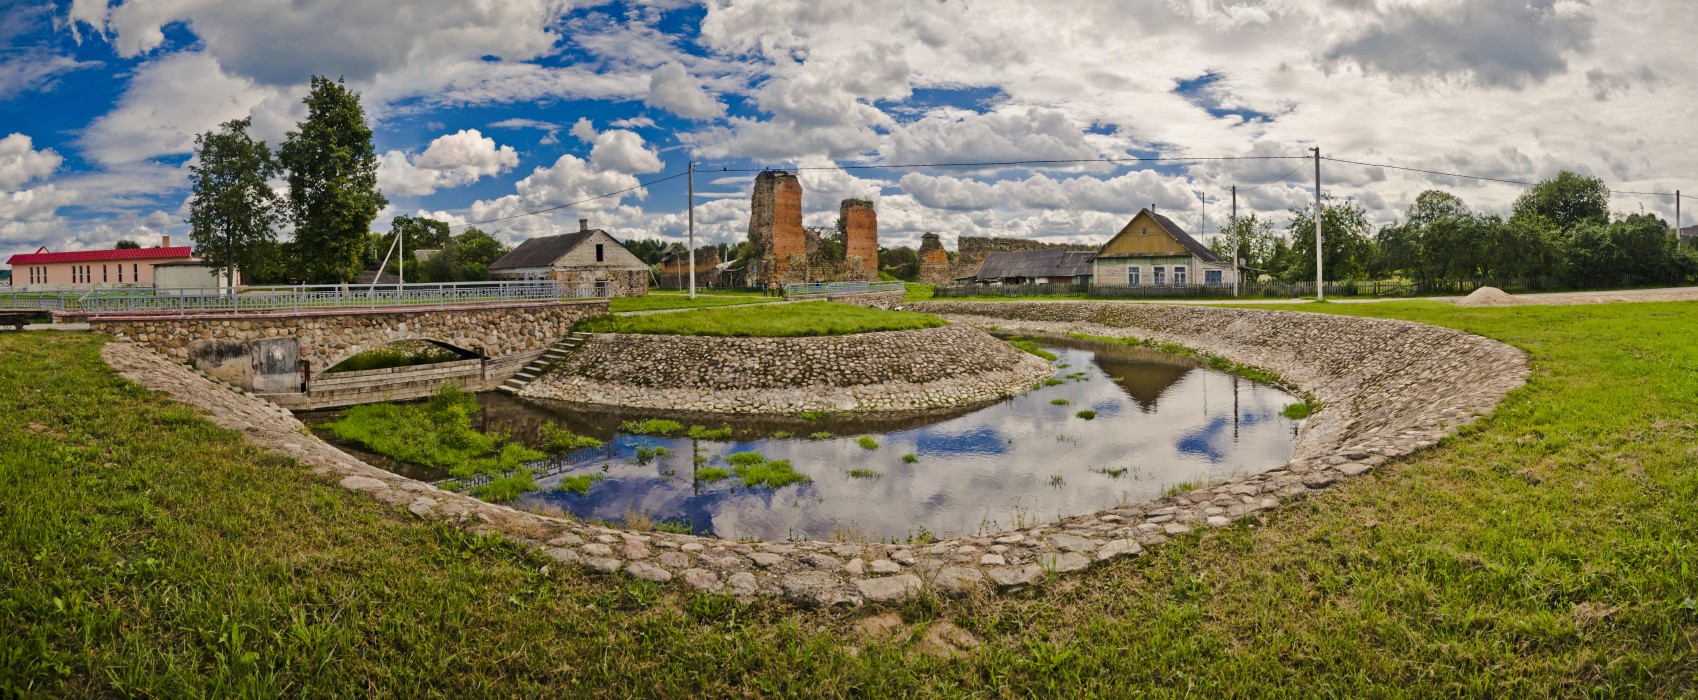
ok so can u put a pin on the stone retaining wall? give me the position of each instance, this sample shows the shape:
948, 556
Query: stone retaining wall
1388, 387
885, 371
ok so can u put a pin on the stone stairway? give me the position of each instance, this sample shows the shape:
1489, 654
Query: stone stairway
556, 352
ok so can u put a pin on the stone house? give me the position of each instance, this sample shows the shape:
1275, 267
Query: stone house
675, 267
1153, 251
587, 258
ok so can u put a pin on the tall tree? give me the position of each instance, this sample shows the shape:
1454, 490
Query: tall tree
234, 211
1247, 238
333, 194
418, 233
1568, 200
1346, 249
465, 258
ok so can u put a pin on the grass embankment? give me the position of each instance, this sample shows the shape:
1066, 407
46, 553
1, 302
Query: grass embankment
1546, 551
784, 320
656, 301
438, 433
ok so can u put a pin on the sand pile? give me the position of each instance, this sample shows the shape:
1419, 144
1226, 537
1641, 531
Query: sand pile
1488, 296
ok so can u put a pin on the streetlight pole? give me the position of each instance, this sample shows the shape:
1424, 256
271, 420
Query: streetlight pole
1320, 286
692, 217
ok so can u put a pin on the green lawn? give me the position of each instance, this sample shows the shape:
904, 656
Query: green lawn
783, 320
681, 300
1549, 550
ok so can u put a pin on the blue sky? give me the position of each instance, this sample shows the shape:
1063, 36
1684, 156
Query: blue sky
488, 111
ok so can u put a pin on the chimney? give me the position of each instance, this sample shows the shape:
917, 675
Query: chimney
583, 225
165, 241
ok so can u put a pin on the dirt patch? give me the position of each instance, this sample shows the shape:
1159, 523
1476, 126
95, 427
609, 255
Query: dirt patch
1488, 296
880, 627
944, 640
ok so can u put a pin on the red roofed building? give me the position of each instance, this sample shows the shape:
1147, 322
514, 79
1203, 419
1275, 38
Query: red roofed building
87, 269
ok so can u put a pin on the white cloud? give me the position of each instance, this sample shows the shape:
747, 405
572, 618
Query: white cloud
672, 88
21, 163
175, 97
550, 130
616, 158
452, 160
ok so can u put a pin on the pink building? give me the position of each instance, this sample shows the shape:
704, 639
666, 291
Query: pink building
87, 269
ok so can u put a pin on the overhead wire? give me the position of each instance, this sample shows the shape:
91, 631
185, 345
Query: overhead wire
638, 186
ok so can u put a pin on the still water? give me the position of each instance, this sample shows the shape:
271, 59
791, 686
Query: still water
1161, 420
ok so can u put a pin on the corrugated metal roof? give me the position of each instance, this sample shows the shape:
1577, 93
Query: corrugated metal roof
181, 251
542, 251
1052, 262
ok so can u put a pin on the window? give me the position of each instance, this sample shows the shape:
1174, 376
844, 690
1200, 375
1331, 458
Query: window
134, 275
600, 254
1158, 275
1146, 231
120, 273
103, 273
1178, 275
1133, 278
1212, 278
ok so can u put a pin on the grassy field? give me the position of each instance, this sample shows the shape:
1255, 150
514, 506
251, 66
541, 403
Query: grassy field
786, 320
1549, 550
656, 300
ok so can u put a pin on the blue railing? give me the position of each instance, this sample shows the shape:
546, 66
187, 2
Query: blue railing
294, 299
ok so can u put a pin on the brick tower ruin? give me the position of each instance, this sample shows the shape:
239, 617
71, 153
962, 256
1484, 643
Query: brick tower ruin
860, 236
934, 260
775, 228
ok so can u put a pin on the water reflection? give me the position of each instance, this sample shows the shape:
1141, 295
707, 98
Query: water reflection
1161, 420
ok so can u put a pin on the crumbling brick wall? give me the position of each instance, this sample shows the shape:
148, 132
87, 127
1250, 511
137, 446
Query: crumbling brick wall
934, 260
775, 228
860, 237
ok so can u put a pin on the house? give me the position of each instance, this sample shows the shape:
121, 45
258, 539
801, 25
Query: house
1045, 266
1153, 251
1687, 236
583, 259
88, 269
187, 276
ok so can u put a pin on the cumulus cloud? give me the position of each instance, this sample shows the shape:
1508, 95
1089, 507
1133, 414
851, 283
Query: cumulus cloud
452, 160
954, 135
1499, 43
20, 162
672, 88
616, 158
173, 98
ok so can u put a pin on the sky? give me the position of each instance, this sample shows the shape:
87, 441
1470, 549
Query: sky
489, 109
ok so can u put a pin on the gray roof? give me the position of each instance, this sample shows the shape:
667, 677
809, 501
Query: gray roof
543, 251
1690, 233
1050, 262
1185, 239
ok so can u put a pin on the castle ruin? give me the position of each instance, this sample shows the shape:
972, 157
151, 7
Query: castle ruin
937, 268
783, 251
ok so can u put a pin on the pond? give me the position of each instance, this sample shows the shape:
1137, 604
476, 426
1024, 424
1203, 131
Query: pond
1161, 421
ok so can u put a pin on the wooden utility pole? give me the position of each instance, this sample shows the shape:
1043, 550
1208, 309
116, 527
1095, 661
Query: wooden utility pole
692, 218
1320, 286
1237, 272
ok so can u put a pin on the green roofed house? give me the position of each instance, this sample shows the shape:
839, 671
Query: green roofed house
1153, 251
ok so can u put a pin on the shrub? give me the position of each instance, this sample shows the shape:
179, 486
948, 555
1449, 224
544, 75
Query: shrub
1298, 411
652, 426
712, 474
702, 432
1086, 414
579, 484
867, 442
557, 440
910, 458
1059, 402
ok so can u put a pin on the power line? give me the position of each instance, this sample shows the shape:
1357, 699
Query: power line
987, 164
638, 186
1490, 179
1281, 178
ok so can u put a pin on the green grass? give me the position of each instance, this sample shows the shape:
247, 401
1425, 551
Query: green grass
712, 474
1114, 473
864, 474
754, 469
1052, 381
910, 458
558, 441
1086, 414
651, 426
391, 357
579, 483
656, 301
867, 442
821, 435
702, 432
811, 318
1547, 551
1059, 402
677, 527
438, 433
1297, 411
1031, 346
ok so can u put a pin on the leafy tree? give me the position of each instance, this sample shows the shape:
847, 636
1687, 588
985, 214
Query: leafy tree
333, 194
421, 233
1246, 238
233, 210
649, 250
465, 258
1567, 200
901, 262
1346, 248
126, 244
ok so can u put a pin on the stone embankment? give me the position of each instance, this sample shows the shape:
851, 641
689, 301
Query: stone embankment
885, 371
1386, 388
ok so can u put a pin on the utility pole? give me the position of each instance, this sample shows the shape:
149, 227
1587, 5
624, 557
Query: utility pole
1237, 281
1677, 219
692, 217
401, 261
1320, 287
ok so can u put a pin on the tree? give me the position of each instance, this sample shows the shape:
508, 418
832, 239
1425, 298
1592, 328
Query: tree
419, 233
465, 258
126, 244
1247, 238
1346, 249
333, 194
1567, 200
901, 262
233, 210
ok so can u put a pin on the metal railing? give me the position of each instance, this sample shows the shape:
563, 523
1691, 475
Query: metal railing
295, 299
826, 288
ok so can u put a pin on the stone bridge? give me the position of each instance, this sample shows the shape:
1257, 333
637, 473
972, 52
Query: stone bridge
278, 352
